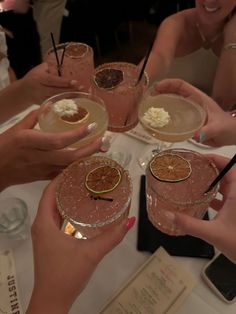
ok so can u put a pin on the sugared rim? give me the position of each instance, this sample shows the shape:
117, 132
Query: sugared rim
210, 195
170, 167
105, 160
115, 65
76, 45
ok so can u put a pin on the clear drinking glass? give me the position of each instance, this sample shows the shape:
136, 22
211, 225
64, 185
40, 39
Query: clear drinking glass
116, 83
186, 196
51, 121
14, 219
75, 62
185, 118
91, 213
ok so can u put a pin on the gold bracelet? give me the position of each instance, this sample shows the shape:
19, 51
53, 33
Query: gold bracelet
230, 46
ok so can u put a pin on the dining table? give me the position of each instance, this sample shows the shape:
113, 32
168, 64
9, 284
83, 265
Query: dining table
124, 260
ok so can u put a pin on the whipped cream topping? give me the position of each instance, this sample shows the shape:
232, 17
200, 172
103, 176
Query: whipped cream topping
65, 107
156, 117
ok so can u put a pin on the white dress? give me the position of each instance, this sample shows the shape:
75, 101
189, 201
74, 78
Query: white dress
4, 62
197, 68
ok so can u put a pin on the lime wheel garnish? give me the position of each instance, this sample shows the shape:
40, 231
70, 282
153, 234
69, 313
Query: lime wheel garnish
170, 167
103, 179
78, 117
76, 50
108, 78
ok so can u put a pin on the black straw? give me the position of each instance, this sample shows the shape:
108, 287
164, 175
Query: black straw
144, 63
222, 173
55, 51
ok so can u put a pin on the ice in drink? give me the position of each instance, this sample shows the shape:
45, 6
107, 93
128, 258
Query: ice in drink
176, 181
93, 194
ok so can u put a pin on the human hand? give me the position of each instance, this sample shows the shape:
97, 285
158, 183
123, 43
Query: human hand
29, 155
63, 264
19, 6
38, 84
221, 230
220, 127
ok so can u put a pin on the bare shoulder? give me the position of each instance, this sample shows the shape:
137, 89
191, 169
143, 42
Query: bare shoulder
180, 19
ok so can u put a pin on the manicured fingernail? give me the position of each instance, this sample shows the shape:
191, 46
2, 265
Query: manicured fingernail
130, 223
73, 82
170, 216
105, 144
202, 137
92, 126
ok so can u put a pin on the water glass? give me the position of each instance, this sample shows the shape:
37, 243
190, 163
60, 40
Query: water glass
14, 219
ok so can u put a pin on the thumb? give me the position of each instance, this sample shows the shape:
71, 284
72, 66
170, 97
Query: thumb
110, 238
196, 227
206, 133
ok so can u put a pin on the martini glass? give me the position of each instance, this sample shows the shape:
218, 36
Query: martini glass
175, 119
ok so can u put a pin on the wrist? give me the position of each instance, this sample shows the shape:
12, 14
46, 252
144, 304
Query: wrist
47, 304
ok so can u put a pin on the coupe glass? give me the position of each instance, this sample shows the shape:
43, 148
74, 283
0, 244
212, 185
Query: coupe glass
75, 62
50, 121
185, 118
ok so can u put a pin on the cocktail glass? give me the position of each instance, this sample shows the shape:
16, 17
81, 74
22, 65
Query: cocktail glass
185, 196
75, 62
51, 121
91, 213
116, 83
185, 118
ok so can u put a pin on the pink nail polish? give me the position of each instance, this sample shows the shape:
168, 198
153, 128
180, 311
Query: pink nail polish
130, 223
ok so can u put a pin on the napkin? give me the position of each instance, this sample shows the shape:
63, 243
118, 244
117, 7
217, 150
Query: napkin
150, 238
9, 293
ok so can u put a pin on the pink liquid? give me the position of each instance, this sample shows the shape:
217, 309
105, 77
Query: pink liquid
90, 217
121, 101
185, 196
80, 69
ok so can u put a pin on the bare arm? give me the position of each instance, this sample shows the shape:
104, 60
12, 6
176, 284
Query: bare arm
165, 45
224, 91
13, 99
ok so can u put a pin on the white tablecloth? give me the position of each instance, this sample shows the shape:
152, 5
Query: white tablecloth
123, 261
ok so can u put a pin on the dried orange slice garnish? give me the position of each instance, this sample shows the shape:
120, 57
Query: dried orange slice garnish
108, 78
170, 167
103, 179
80, 116
76, 50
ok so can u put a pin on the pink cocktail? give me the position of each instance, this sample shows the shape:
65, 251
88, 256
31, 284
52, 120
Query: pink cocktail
92, 212
76, 63
185, 196
116, 83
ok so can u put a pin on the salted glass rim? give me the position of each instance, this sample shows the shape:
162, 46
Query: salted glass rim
208, 197
116, 216
62, 45
109, 65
